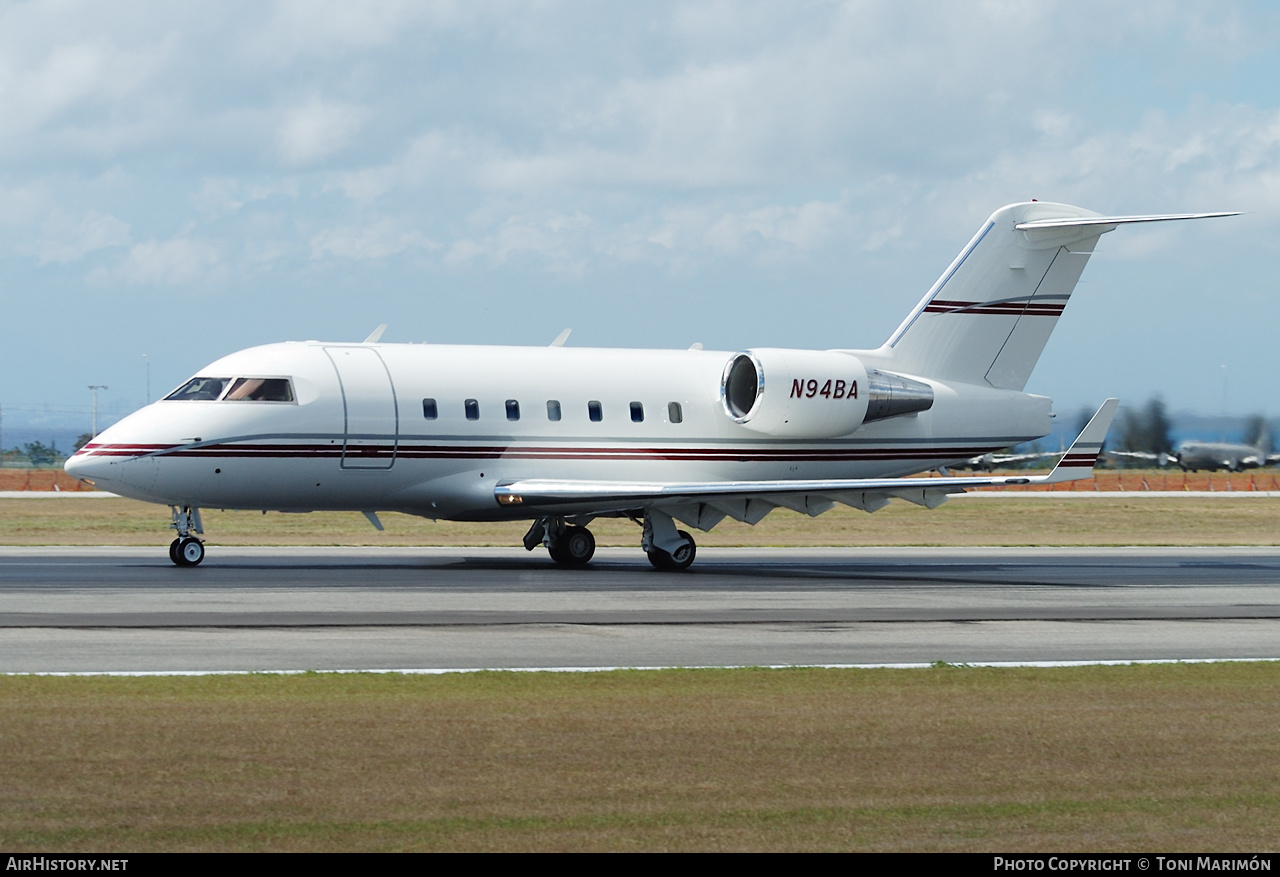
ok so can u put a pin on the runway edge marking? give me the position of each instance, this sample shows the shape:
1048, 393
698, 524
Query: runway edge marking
441, 671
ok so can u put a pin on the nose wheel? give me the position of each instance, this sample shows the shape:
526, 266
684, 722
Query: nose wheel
186, 551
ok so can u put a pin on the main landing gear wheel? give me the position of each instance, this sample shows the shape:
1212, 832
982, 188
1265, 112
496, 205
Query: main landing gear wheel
186, 551
677, 560
574, 547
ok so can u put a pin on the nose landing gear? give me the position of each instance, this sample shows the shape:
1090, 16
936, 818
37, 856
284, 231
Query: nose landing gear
186, 550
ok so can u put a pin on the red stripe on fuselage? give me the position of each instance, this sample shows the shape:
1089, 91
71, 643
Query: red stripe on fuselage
536, 452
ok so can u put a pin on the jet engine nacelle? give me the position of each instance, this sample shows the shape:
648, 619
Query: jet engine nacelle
813, 393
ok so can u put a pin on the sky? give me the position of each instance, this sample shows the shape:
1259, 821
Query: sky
179, 181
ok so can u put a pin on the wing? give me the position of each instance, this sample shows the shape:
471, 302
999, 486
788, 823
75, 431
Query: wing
704, 505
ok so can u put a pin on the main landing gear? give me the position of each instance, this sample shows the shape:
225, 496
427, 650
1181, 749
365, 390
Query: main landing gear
677, 560
186, 550
568, 544
667, 548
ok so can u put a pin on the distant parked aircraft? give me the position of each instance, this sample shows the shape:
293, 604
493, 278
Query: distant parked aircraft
1192, 456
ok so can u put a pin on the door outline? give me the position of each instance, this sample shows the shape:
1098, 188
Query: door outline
364, 375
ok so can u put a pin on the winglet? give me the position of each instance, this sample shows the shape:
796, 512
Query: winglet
561, 338
1078, 461
376, 334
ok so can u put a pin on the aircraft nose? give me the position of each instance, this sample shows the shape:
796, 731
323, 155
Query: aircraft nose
85, 465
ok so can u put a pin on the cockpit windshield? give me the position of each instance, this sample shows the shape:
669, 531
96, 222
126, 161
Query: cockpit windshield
236, 390
198, 389
260, 390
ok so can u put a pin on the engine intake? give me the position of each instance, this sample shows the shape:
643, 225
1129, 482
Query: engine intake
813, 393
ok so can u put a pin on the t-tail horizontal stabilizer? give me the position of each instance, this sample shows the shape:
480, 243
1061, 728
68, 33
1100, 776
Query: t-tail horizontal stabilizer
1113, 221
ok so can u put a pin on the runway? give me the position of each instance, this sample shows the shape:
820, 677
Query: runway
130, 610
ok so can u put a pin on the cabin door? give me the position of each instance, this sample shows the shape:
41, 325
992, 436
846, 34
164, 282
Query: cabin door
371, 427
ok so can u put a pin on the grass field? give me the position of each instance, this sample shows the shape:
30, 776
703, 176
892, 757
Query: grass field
1169, 757
1040, 520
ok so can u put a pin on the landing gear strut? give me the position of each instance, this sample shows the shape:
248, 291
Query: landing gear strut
669, 549
186, 550
568, 544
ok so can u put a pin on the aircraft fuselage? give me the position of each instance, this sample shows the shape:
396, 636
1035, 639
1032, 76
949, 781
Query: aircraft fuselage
432, 429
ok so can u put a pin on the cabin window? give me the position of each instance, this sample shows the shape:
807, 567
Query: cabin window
595, 412
472, 408
637, 412
198, 390
513, 409
429, 409
674, 413
553, 410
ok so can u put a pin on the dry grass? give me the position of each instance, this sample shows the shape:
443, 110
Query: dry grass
985, 521
1174, 757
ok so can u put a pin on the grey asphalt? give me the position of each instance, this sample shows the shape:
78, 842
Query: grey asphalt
130, 610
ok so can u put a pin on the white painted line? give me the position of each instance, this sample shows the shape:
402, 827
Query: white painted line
1118, 494
1039, 494
441, 671
57, 494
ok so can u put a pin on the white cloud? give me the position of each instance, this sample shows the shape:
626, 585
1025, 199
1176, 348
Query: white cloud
225, 196
317, 130
36, 224
70, 241
804, 228
333, 28
376, 241
57, 89
452, 158
1053, 123
559, 242
179, 262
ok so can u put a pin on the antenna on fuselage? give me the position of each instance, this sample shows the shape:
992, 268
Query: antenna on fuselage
375, 334
561, 338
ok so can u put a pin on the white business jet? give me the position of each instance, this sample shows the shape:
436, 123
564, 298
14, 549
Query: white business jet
561, 436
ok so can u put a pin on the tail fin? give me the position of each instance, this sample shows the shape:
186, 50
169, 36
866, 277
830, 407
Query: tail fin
989, 316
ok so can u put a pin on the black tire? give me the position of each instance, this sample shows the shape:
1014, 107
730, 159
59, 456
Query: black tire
173, 552
579, 545
190, 551
678, 561
575, 547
